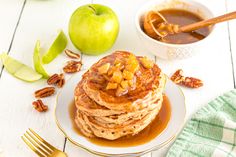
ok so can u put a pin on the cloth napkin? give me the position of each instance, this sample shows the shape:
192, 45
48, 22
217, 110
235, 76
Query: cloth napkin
211, 132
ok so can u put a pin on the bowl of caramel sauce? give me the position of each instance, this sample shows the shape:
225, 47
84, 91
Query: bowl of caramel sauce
179, 12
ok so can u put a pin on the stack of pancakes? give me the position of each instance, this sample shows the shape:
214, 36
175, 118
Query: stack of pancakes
102, 113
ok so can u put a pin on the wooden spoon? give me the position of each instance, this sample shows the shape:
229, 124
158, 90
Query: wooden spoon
208, 22
200, 24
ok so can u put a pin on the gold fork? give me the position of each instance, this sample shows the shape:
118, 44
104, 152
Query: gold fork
41, 147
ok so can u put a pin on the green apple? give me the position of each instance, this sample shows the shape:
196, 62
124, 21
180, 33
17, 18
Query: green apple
93, 28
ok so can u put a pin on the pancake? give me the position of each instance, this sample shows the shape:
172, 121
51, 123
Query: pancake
102, 113
86, 104
147, 83
83, 127
90, 107
112, 131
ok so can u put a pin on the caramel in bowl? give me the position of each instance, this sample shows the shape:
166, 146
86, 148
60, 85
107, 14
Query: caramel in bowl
177, 46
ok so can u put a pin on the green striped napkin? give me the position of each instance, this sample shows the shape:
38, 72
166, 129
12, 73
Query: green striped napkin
211, 132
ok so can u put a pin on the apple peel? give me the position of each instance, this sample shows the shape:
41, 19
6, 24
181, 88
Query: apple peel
38, 66
56, 48
18, 69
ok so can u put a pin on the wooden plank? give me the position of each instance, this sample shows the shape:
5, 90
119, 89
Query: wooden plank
40, 20
212, 65
9, 15
231, 6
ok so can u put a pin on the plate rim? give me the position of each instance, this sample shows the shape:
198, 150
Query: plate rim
123, 154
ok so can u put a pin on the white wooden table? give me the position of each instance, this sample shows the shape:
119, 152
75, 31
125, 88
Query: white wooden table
22, 22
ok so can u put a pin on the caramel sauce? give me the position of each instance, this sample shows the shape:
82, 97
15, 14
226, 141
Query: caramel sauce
182, 17
149, 133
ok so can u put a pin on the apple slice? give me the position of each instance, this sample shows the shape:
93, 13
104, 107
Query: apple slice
18, 69
56, 48
38, 66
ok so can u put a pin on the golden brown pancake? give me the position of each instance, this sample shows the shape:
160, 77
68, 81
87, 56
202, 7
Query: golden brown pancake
147, 82
112, 131
86, 104
101, 113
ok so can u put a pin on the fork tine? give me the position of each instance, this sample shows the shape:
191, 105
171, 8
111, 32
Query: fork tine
42, 140
35, 145
39, 143
32, 147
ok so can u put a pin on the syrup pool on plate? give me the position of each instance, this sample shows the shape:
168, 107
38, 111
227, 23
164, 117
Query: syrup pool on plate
150, 132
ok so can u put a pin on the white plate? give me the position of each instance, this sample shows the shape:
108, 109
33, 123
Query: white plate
63, 121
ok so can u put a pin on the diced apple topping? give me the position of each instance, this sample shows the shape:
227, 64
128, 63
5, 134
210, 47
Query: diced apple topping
117, 61
121, 74
111, 70
117, 77
124, 84
147, 63
128, 75
132, 67
114, 69
112, 86
120, 66
121, 91
132, 58
104, 68
132, 83
132, 64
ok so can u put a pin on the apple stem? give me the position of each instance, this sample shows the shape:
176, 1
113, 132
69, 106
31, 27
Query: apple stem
93, 9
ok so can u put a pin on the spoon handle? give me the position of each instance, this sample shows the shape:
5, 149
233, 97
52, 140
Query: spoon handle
204, 23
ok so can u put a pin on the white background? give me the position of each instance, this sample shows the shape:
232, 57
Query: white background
22, 22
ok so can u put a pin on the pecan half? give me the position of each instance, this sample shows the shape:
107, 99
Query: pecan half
44, 92
189, 82
192, 82
61, 81
39, 106
53, 79
57, 80
177, 77
71, 54
72, 66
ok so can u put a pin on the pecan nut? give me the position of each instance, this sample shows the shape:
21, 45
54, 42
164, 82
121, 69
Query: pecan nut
189, 82
192, 82
177, 77
44, 92
40, 106
60, 83
72, 67
71, 54
53, 79
57, 80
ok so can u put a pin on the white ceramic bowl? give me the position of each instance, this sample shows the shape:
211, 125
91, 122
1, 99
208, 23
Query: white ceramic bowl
166, 50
